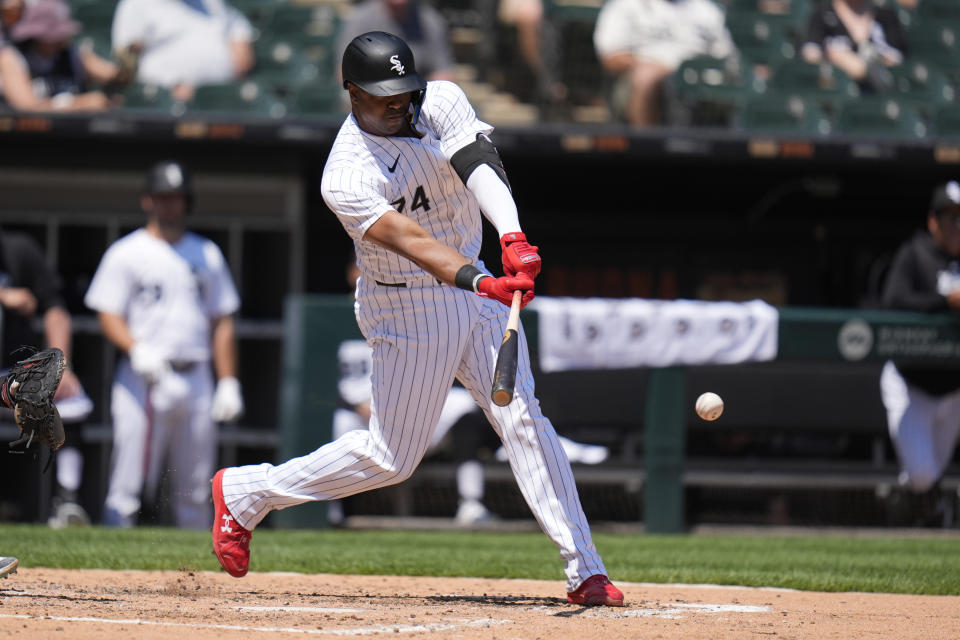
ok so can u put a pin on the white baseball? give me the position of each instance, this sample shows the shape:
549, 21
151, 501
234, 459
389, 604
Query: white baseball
709, 406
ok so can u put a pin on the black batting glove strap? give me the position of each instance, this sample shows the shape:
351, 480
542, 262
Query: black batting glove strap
468, 276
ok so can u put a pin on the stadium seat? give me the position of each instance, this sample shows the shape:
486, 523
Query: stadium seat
94, 15
944, 11
880, 117
782, 114
704, 91
257, 11
923, 86
319, 20
935, 43
572, 10
311, 30
762, 39
822, 83
150, 98
281, 65
946, 122
314, 100
247, 97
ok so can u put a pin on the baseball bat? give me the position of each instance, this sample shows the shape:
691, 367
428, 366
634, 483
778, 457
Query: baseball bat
505, 371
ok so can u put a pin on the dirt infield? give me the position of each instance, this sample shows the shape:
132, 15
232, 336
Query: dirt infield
80, 605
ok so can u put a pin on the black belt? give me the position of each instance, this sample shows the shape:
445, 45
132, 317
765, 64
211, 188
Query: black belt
183, 366
401, 285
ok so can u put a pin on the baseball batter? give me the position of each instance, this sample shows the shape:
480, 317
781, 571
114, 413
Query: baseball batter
410, 176
165, 299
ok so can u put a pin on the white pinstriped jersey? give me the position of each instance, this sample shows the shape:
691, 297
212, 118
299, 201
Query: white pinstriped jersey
367, 175
422, 337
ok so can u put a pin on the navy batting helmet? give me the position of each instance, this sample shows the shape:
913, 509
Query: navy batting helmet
381, 64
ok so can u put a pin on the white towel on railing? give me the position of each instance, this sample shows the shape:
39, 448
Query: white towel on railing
609, 333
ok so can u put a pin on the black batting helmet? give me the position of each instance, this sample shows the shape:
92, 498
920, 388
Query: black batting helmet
169, 176
381, 64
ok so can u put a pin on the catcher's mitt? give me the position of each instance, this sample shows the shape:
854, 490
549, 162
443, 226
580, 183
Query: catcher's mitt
29, 389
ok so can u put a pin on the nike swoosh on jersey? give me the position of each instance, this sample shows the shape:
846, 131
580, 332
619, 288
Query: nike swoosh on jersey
393, 168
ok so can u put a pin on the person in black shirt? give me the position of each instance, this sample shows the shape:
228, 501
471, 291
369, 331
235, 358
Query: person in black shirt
859, 38
30, 289
923, 400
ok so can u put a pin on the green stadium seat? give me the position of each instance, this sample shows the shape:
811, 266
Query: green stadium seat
880, 117
318, 100
311, 30
150, 98
705, 91
923, 86
935, 43
945, 11
782, 114
762, 39
946, 121
319, 21
94, 14
247, 97
257, 11
281, 64
822, 83
572, 10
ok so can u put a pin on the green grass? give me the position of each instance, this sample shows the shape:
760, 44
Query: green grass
877, 564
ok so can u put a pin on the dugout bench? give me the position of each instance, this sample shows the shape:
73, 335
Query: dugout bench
832, 338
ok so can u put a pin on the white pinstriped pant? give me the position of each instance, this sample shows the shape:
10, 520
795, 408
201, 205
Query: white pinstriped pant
423, 336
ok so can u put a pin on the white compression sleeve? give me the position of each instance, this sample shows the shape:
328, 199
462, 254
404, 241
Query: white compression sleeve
495, 199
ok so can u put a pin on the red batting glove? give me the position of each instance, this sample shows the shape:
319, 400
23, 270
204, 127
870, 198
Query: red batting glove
519, 256
502, 288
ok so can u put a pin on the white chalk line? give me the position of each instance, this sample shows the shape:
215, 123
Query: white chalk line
672, 611
301, 609
358, 631
677, 610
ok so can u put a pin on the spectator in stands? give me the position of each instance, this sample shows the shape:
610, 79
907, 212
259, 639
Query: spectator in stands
526, 16
418, 23
44, 71
860, 39
923, 401
10, 13
641, 42
184, 43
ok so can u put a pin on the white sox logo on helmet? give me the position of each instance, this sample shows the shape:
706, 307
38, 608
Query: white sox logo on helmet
397, 65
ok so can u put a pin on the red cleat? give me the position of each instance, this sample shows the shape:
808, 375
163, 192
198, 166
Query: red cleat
231, 542
597, 590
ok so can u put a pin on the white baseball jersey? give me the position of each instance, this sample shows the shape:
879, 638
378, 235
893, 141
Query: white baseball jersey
168, 294
423, 335
366, 176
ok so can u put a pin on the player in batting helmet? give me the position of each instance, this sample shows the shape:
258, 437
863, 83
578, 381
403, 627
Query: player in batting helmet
382, 64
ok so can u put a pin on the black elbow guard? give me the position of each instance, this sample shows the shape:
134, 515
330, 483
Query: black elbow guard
480, 151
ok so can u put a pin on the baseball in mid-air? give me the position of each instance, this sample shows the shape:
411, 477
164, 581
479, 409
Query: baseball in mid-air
709, 406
